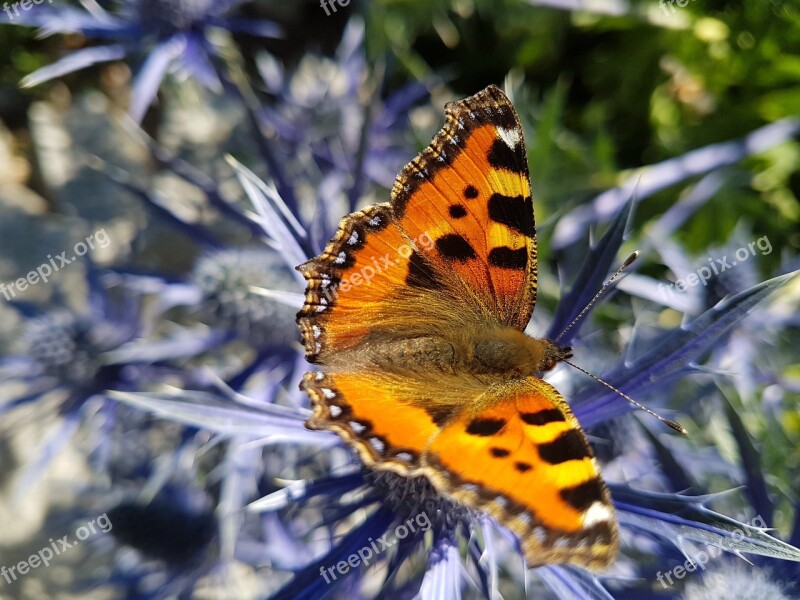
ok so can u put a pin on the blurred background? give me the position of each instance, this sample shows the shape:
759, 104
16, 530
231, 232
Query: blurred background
181, 156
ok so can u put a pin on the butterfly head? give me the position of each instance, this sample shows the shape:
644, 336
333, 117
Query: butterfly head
554, 354
508, 351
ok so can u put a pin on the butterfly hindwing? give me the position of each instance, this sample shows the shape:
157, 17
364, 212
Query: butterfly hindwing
381, 418
523, 458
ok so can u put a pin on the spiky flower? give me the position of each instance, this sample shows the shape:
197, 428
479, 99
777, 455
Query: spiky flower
67, 346
232, 283
735, 581
172, 35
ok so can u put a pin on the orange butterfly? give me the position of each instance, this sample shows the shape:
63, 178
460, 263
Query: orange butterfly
416, 310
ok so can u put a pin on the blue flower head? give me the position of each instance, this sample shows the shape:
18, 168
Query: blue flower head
162, 35
233, 283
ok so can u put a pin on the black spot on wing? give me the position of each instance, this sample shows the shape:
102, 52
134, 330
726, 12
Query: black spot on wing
522, 467
543, 417
485, 427
470, 192
508, 258
457, 211
438, 414
583, 495
570, 445
455, 247
499, 452
421, 274
501, 156
514, 211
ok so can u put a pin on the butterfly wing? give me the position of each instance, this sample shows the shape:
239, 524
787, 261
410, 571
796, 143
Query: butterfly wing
470, 192
388, 420
520, 457
523, 458
458, 231
370, 283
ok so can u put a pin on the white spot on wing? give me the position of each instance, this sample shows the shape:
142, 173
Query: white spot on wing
511, 137
341, 257
317, 331
596, 513
470, 487
335, 410
357, 427
353, 239
377, 444
540, 534
328, 393
319, 376
404, 456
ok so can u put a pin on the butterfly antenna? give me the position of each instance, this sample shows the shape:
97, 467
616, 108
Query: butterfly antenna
673, 424
628, 262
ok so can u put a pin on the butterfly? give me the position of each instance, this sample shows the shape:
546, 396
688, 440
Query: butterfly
415, 313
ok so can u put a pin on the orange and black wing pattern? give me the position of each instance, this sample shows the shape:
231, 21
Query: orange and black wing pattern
524, 459
470, 192
459, 228
521, 457
386, 424
396, 305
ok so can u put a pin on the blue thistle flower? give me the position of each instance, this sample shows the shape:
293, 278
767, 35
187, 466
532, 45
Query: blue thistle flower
729, 579
171, 35
80, 356
232, 285
67, 346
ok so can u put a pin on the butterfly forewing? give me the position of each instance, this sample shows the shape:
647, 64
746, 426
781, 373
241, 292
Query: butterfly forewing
470, 192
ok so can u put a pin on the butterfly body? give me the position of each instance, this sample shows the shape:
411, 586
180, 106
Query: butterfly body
496, 352
415, 312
